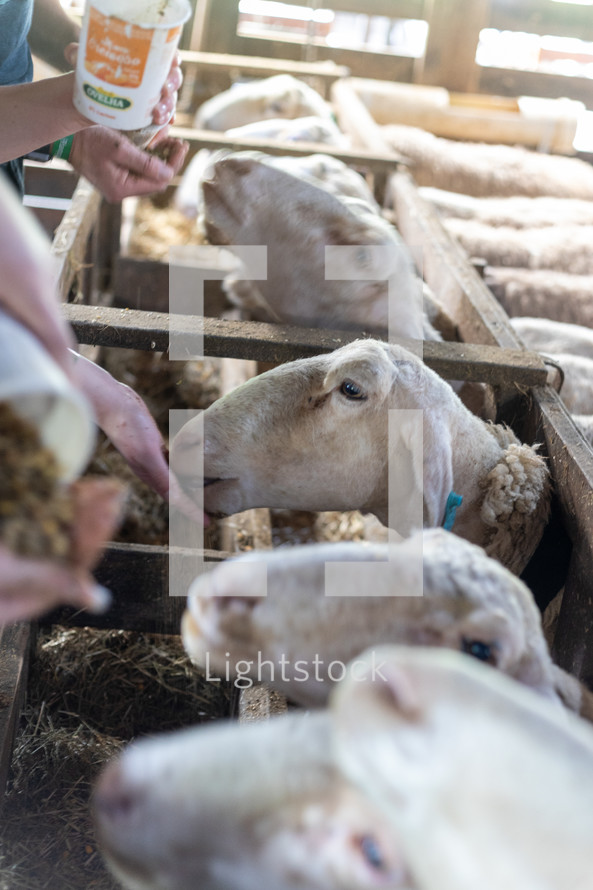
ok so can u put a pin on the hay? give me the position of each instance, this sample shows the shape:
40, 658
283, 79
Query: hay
165, 384
295, 527
36, 509
155, 229
89, 693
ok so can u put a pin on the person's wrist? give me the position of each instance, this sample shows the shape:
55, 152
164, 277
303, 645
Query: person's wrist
75, 119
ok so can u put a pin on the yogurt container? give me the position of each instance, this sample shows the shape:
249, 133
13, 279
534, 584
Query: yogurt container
125, 53
38, 390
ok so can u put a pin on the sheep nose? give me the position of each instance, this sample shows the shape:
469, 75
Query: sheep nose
114, 800
239, 604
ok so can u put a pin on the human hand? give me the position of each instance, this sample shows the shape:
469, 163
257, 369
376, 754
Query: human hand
27, 282
30, 587
165, 109
127, 422
112, 163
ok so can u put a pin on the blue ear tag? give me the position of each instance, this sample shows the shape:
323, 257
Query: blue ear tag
453, 501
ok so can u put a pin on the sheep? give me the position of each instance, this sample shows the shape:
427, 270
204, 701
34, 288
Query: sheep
498, 780
485, 784
242, 807
300, 129
280, 96
305, 129
313, 435
432, 589
562, 248
489, 170
514, 212
571, 347
558, 296
297, 208
553, 337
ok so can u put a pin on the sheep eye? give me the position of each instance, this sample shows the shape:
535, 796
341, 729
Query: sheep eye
351, 390
371, 852
477, 649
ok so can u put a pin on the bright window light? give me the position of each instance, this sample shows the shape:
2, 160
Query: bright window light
286, 11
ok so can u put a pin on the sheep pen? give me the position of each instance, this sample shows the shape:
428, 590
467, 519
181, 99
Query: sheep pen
92, 691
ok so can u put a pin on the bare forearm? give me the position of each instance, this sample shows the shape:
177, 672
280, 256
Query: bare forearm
52, 29
35, 114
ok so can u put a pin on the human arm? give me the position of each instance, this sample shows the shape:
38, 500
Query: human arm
52, 30
27, 280
126, 421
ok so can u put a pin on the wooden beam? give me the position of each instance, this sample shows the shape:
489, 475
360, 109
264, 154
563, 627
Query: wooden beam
50, 180
70, 241
443, 264
138, 577
15, 644
375, 161
453, 31
356, 120
571, 465
274, 343
509, 82
392, 9
260, 66
535, 17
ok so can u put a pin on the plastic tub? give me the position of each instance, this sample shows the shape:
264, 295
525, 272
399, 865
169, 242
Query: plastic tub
39, 391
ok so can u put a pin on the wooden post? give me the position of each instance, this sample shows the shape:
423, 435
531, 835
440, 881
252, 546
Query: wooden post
453, 31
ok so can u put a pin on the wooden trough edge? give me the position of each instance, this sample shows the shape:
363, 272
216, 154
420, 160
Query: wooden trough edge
376, 162
262, 342
138, 577
15, 645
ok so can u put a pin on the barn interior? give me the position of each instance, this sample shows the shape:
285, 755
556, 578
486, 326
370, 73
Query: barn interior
471, 127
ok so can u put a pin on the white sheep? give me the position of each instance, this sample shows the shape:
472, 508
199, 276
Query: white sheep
299, 208
430, 772
559, 296
554, 337
242, 807
571, 347
485, 783
187, 197
560, 248
300, 129
489, 170
515, 212
280, 96
313, 435
432, 589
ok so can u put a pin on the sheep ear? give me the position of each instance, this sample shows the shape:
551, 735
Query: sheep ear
377, 694
246, 295
413, 435
516, 505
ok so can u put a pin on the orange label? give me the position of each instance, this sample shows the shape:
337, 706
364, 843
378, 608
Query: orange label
172, 33
116, 51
